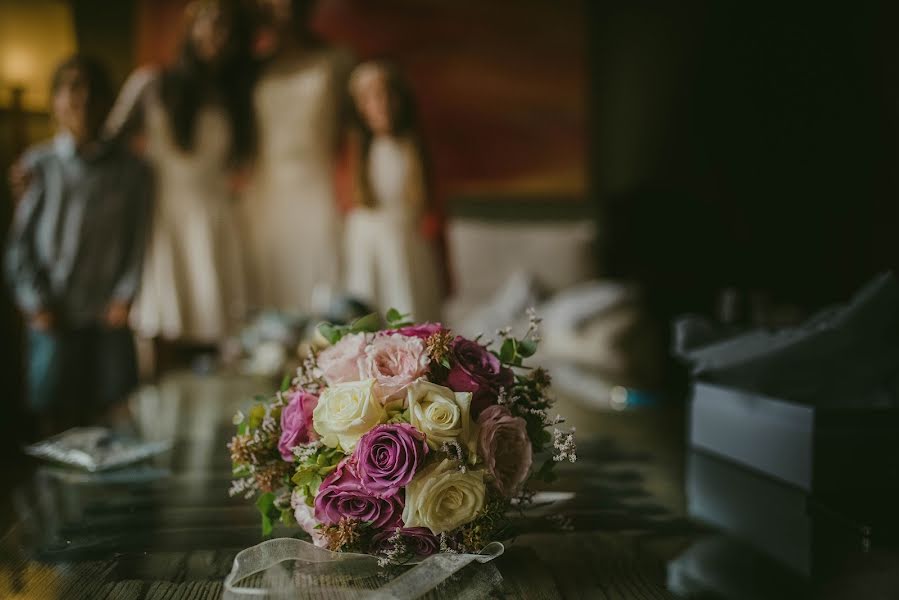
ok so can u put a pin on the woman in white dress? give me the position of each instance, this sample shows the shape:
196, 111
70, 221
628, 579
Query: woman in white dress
289, 208
195, 123
389, 260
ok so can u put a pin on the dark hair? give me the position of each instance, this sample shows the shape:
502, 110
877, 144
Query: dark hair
301, 12
404, 121
99, 88
191, 83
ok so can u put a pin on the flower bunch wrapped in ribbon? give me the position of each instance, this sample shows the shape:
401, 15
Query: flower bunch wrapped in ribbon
401, 440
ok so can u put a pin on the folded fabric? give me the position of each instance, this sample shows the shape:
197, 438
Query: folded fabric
842, 355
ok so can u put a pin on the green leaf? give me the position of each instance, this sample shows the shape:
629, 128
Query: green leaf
257, 413
265, 503
285, 383
508, 350
526, 348
393, 315
367, 324
330, 332
287, 516
303, 476
444, 362
315, 483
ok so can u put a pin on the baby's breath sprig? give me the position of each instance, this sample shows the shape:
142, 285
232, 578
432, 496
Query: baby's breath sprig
243, 486
395, 550
455, 451
304, 452
447, 545
564, 445
309, 376
534, 321
513, 351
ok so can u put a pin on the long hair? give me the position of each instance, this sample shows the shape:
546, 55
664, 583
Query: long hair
192, 83
404, 121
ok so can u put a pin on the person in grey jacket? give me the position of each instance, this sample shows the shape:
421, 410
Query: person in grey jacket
74, 253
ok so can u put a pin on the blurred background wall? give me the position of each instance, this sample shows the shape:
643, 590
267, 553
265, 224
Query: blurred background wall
500, 85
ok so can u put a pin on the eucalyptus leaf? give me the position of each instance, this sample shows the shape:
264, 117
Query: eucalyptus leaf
265, 503
507, 351
367, 324
330, 332
527, 348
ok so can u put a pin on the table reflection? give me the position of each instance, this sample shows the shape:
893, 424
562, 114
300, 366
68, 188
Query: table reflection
625, 520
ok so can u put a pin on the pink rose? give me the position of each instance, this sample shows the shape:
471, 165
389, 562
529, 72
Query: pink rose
506, 448
394, 361
305, 516
296, 423
340, 362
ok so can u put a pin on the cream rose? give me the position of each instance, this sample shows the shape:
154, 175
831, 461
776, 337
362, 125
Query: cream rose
442, 497
345, 412
442, 415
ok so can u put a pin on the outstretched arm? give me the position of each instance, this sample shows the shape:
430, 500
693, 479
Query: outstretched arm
126, 115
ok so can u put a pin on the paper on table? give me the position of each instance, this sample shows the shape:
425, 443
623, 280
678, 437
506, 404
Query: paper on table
95, 449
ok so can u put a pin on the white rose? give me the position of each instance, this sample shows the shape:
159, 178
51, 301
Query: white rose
442, 497
442, 415
345, 412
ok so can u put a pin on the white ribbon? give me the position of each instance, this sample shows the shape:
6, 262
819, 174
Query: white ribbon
317, 570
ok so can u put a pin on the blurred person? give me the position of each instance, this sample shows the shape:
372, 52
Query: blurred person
194, 121
389, 259
74, 253
290, 206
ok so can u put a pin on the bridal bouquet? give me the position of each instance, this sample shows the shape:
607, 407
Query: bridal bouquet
401, 440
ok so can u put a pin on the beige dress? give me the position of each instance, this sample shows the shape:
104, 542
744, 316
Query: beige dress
193, 285
389, 263
289, 209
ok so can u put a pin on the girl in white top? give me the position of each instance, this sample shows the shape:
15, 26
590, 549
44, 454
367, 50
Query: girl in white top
389, 261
